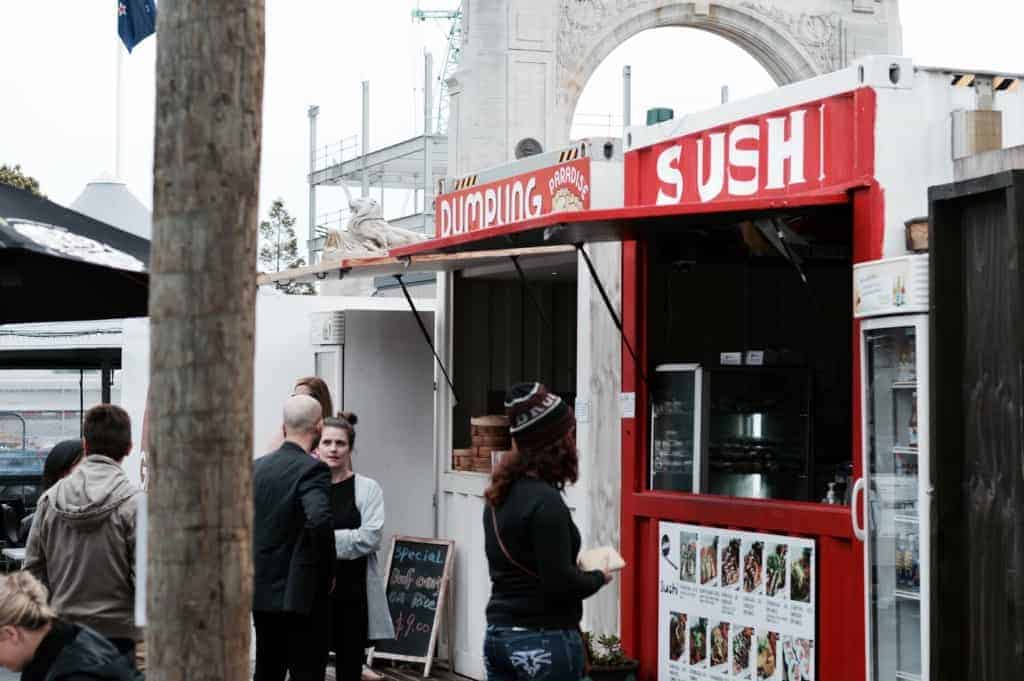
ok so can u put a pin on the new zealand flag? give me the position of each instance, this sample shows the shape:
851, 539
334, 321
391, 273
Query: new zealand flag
136, 19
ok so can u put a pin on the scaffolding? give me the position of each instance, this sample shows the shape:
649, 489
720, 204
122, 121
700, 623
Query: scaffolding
410, 165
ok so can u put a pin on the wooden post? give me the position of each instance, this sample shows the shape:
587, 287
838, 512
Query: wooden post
202, 304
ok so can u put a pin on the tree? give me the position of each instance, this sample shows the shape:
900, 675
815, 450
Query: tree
209, 92
14, 177
279, 247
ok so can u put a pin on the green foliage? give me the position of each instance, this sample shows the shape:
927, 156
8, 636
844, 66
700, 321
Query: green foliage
14, 177
279, 247
605, 650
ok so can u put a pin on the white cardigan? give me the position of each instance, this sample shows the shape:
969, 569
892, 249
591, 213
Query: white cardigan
365, 541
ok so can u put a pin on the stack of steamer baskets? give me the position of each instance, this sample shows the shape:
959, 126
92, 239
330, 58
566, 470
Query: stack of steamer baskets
491, 439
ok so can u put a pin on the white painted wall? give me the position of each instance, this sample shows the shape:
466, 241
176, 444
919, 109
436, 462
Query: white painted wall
134, 386
914, 144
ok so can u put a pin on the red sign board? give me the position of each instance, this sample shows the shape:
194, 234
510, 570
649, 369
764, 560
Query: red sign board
813, 146
563, 187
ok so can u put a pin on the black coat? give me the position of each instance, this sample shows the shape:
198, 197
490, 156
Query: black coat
71, 652
293, 538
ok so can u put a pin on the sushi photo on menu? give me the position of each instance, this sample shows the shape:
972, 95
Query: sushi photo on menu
768, 656
676, 635
688, 556
797, 659
800, 574
730, 563
753, 566
709, 559
742, 642
699, 642
775, 570
719, 648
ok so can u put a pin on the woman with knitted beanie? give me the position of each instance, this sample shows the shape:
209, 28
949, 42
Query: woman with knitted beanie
531, 541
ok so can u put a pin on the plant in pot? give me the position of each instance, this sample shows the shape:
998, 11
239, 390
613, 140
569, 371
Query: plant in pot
607, 660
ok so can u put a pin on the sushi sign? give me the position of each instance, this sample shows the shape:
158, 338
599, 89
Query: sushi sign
562, 187
735, 605
811, 147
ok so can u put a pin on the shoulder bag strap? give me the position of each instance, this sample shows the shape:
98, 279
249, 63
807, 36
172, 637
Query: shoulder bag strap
497, 535
504, 549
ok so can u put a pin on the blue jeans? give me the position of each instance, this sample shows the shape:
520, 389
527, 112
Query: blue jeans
517, 654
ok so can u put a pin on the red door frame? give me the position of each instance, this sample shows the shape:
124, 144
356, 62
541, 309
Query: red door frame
840, 596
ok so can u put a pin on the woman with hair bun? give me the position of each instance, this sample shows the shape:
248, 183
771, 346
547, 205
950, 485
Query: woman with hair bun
359, 608
35, 642
531, 543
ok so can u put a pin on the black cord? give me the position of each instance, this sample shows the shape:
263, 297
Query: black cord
426, 335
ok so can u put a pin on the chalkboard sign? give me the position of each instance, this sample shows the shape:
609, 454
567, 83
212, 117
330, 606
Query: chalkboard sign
417, 586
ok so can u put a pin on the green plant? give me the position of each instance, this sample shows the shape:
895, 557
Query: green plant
604, 650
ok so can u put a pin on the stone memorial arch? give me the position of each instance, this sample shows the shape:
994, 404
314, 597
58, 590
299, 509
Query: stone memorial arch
525, 62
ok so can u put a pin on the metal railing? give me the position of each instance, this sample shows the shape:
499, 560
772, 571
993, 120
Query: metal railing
336, 153
337, 219
608, 123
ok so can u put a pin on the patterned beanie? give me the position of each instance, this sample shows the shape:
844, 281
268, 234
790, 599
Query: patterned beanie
537, 418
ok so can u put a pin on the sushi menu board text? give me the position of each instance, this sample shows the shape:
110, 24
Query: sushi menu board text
735, 605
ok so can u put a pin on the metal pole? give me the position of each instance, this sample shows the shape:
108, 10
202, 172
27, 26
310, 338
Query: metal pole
366, 137
627, 96
313, 112
725, 94
120, 117
428, 104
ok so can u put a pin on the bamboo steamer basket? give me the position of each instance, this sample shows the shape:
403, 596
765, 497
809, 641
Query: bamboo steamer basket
462, 459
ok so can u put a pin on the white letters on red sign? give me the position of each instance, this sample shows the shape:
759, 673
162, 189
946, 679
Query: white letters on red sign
730, 163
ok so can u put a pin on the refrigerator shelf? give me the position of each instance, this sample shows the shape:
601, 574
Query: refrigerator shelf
904, 385
908, 519
907, 595
907, 676
905, 450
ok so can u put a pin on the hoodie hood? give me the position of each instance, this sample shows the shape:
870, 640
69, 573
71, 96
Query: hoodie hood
92, 492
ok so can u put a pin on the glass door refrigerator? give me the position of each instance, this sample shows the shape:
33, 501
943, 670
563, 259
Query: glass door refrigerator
891, 301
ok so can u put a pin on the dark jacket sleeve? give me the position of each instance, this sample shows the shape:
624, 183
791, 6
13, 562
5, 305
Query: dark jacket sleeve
556, 565
315, 496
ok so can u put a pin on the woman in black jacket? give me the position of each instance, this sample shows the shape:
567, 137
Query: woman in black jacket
537, 590
42, 647
61, 460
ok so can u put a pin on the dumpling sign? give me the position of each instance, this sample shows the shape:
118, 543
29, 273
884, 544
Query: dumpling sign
418, 570
562, 187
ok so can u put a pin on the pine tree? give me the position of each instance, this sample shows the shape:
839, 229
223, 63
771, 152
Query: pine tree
279, 247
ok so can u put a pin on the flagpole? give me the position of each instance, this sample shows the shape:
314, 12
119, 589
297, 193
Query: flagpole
120, 118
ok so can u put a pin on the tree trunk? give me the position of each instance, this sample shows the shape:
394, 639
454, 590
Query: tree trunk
202, 308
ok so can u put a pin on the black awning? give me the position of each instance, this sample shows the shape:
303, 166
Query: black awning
59, 265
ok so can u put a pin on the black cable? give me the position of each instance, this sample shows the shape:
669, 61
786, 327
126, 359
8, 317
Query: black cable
529, 290
426, 335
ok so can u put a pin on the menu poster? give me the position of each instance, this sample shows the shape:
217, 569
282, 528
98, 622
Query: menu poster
735, 605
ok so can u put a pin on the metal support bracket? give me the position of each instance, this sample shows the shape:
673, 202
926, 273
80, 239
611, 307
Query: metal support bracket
426, 335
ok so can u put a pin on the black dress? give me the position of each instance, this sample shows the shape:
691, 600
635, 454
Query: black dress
349, 612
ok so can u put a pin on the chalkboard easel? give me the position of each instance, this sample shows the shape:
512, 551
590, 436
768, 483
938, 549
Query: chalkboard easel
417, 587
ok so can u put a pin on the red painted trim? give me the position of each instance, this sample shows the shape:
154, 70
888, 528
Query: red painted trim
832, 196
780, 517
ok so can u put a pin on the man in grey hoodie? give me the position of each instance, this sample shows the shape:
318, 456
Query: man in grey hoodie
82, 542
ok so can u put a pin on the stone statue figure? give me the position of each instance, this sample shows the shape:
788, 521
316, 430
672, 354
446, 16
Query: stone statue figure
367, 233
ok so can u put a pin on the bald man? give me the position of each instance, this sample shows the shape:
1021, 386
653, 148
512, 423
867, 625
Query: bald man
293, 551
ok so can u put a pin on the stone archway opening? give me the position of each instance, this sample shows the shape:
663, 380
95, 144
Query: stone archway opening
791, 44
677, 67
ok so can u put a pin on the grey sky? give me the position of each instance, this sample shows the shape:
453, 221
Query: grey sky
58, 85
